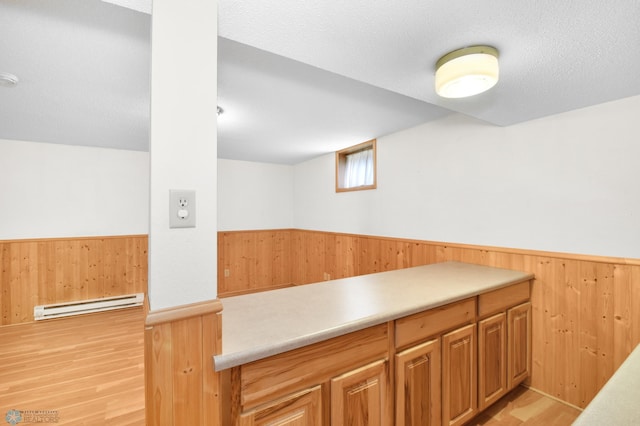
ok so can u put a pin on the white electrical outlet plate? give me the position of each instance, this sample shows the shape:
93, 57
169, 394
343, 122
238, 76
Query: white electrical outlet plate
182, 208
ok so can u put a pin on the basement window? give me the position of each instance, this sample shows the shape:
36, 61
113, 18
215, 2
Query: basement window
356, 167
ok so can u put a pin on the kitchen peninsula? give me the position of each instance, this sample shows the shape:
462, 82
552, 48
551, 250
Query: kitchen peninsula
428, 345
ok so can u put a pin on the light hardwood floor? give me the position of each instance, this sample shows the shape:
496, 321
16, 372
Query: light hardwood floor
523, 406
89, 370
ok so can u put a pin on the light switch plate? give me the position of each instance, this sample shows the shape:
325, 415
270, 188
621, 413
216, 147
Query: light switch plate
182, 208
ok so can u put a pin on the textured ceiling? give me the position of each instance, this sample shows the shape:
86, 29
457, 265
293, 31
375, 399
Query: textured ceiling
84, 73
282, 111
554, 55
299, 79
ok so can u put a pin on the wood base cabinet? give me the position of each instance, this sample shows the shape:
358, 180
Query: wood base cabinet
361, 397
519, 357
427, 371
340, 381
459, 373
436, 367
418, 385
300, 409
504, 342
492, 359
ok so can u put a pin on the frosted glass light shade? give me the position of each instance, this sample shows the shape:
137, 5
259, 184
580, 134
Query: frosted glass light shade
467, 72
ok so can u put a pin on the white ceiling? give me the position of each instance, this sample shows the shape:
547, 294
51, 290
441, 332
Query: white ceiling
299, 79
84, 73
282, 111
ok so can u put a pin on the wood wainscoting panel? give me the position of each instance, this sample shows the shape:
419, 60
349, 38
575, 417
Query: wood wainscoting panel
584, 318
181, 386
309, 255
340, 258
45, 271
253, 261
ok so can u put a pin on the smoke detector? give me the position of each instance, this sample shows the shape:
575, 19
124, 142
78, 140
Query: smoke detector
8, 80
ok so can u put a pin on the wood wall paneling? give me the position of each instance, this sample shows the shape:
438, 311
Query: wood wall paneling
586, 318
45, 271
181, 385
253, 261
308, 257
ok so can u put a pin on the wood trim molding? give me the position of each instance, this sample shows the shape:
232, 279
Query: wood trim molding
244, 231
87, 237
177, 313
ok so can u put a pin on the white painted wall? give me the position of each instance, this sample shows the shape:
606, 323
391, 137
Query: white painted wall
183, 150
51, 190
254, 195
562, 183
566, 183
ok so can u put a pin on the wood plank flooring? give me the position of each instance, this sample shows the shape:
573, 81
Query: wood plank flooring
524, 406
86, 370
89, 370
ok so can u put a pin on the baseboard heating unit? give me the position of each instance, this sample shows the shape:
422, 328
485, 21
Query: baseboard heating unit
67, 309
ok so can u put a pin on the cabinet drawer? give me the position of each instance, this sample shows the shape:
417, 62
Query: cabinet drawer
503, 298
276, 376
417, 327
304, 407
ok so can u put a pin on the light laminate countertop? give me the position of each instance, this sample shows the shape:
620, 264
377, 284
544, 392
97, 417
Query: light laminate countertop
618, 402
258, 325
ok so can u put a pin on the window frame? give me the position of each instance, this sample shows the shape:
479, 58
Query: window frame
341, 161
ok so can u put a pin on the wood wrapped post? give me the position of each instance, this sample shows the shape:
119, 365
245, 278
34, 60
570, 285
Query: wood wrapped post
182, 387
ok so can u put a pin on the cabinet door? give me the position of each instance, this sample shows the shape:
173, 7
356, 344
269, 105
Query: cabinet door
300, 409
492, 359
459, 376
418, 385
519, 344
361, 397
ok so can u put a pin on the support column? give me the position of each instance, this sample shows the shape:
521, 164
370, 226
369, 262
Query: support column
183, 325
180, 383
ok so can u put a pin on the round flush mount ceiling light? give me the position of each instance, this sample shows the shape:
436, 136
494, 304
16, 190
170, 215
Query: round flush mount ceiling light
8, 80
467, 72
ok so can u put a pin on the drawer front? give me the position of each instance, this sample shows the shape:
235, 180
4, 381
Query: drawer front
503, 298
282, 374
420, 326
